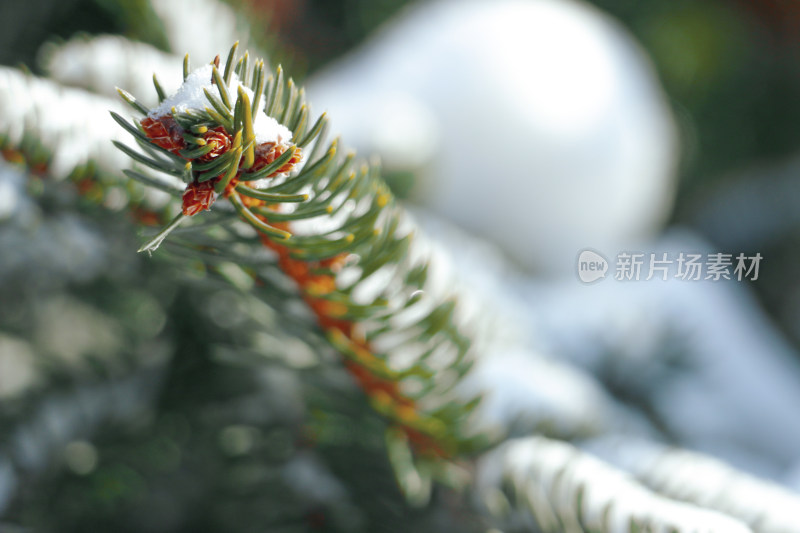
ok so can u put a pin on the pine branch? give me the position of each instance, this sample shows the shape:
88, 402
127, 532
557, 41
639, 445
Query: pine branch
337, 232
58, 148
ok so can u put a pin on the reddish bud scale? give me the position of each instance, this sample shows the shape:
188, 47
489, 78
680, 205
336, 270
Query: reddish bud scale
165, 133
221, 141
266, 153
198, 197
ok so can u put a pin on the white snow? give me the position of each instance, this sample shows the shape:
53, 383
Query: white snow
101, 64
550, 474
220, 23
268, 129
77, 128
548, 134
190, 95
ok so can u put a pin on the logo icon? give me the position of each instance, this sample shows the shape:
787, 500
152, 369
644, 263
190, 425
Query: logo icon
592, 266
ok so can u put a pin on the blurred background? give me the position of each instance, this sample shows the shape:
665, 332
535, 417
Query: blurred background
729, 70
519, 133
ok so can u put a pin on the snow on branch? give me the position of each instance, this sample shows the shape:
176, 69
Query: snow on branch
545, 485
